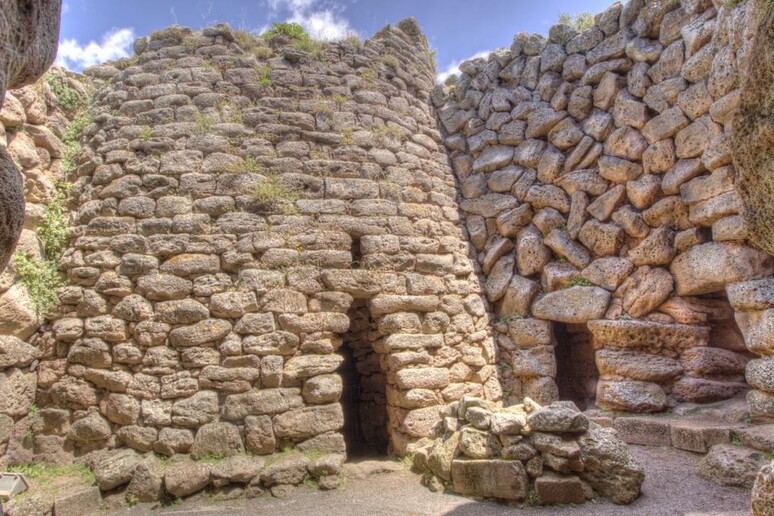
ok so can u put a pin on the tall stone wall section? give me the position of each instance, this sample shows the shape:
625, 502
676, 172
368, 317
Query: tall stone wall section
599, 192
242, 214
32, 129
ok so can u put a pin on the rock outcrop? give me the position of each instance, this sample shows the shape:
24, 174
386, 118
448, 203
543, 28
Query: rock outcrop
29, 33
753, 135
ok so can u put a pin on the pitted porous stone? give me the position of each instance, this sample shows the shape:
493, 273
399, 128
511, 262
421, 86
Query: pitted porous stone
647, 336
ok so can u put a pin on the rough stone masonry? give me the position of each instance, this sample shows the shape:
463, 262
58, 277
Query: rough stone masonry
281, 253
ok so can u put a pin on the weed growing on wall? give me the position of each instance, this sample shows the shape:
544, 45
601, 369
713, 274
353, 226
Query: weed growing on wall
70, 139
271, 193
53, 230
42, 279
67, 97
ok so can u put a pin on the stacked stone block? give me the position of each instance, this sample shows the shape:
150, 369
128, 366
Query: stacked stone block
526, 453
754, 305
598, 185
243, 213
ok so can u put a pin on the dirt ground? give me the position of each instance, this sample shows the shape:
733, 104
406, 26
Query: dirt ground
671, 488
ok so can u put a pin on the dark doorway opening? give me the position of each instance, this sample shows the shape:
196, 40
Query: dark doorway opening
364, 394
576, 369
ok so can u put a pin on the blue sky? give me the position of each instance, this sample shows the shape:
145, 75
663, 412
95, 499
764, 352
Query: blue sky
94, 31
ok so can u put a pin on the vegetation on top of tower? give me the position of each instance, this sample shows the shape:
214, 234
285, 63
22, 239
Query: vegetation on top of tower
290, 30
579, 22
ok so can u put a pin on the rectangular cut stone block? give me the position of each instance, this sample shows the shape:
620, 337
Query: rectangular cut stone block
554, 489
697, 436
403, 341
647, 336
643, 430
503, 479
423, 378
81, 502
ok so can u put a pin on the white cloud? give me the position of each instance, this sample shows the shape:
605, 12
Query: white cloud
320, 21
453, 68
65, 8
115, 44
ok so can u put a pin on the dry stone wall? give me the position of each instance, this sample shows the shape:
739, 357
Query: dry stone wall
32, 127
599, 192
242, 214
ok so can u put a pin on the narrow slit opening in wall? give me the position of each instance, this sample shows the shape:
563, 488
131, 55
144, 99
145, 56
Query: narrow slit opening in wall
357, 254
576, 369
363, 396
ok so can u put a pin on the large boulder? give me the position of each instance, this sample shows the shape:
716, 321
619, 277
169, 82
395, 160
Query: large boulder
708, 268
29, 32
572, 305
16, 353
502, 479
217, 440
730, 465
763, 492
186, 477
115, 468
609, 468
753, 137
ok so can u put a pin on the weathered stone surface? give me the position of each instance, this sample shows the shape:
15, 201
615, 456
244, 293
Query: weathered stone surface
217, 440
638, 366
631, 396
647, 336
490, 478
186, 477
608, 466
710, 267
730, 465
115, 469
763, 491
308, 421
558, 418
572, 305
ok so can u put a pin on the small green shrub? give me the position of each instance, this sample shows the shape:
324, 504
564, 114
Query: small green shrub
245, 40
347, 137
264, 75
68, 98
390, 60
146, 133
354, 40
581, 282
70, 138
434, 57
42, 279
580, 22
204, 123
317, 49
53, 230
272, 193
263, 52
289, 29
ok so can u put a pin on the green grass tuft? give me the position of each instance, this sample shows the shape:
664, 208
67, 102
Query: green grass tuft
67, 97
42, 280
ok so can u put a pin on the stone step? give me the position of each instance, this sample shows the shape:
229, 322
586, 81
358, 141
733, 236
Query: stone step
759, 437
